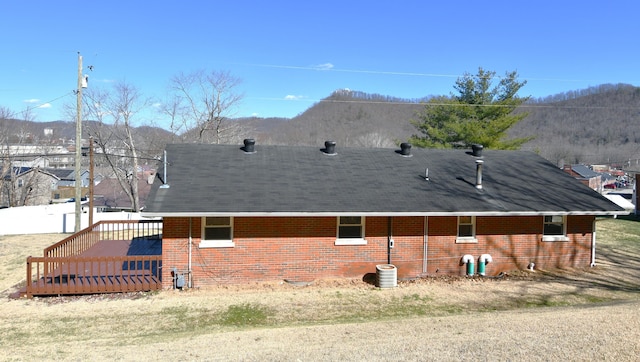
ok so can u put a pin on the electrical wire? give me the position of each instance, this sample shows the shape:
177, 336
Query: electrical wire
28, 109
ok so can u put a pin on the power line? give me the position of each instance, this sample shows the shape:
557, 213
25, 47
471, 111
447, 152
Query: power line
452, 104
51, 101
328, 67
32, 155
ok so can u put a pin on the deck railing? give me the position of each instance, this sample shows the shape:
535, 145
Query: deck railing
88, 275
104, 230
64, 270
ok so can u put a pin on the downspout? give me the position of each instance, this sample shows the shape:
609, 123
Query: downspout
189, 262
425, 244
593, 243
389, 238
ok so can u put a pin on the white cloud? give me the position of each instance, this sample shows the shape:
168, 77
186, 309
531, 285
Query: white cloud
325, 66
291, 97
31, 101
44, 105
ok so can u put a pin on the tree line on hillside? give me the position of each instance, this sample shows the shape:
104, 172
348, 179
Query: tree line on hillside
595, 125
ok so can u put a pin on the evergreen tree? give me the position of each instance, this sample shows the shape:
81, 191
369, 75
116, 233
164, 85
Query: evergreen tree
480, 113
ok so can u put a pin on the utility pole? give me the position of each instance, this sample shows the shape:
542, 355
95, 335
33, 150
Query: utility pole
91, 181
78, 161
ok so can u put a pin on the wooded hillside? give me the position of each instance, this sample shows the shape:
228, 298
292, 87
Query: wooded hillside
598, 125
594, 125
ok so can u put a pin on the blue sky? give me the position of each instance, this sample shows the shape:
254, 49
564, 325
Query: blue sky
291, 54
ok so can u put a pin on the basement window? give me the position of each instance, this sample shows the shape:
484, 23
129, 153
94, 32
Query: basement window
466, 230
554, 228
217, 232
351, 231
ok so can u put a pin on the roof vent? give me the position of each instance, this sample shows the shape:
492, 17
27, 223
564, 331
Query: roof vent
330, 148
479, 174
164, 185
405, 149
476, 150
249, 145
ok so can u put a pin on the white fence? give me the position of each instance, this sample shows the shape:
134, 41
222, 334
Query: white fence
51, 219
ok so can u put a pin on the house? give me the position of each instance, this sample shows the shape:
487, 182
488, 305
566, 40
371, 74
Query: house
35, 155
27, 186
109, 195
235, 214
586, 175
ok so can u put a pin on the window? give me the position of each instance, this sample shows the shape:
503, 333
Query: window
554, 228
466, 229
351, 230
217, 232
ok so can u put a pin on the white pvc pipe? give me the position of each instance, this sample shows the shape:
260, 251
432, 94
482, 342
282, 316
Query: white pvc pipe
468, 260
425, 243
485, 258
189, 261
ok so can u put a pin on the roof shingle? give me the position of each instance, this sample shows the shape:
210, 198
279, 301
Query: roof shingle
296, 180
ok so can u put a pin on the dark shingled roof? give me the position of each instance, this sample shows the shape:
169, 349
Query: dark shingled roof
294, 180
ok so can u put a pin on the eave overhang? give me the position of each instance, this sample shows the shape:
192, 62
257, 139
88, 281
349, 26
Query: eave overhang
382, 214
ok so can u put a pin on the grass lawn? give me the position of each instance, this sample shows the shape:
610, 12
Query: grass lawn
38, 327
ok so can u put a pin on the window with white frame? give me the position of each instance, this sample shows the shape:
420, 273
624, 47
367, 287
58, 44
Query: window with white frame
217, 232
350, 230
466, 229
554, 228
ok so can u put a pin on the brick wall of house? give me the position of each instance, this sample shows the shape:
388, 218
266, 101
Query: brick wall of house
512, 242
303, 248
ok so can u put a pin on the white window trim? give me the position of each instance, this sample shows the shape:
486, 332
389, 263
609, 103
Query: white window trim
215, 243
562, 237
555, 238
351, 241
467, 239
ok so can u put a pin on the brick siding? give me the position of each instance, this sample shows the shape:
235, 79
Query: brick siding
303, 248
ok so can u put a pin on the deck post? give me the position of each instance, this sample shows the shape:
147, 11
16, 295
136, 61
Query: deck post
29, 295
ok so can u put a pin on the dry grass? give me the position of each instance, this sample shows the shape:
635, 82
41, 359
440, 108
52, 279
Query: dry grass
14, 251
587, 314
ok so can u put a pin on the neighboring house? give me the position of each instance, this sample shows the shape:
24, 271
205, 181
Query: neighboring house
44, 156
27, 186
68, 177
65, 188
261, 213
108, 195
586, 175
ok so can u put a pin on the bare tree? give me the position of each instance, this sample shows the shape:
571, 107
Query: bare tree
16, 188
175, 109
203, 102
374, 139
115, 113
5, 170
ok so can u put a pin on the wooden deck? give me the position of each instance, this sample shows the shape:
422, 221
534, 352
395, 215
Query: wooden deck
86, 263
